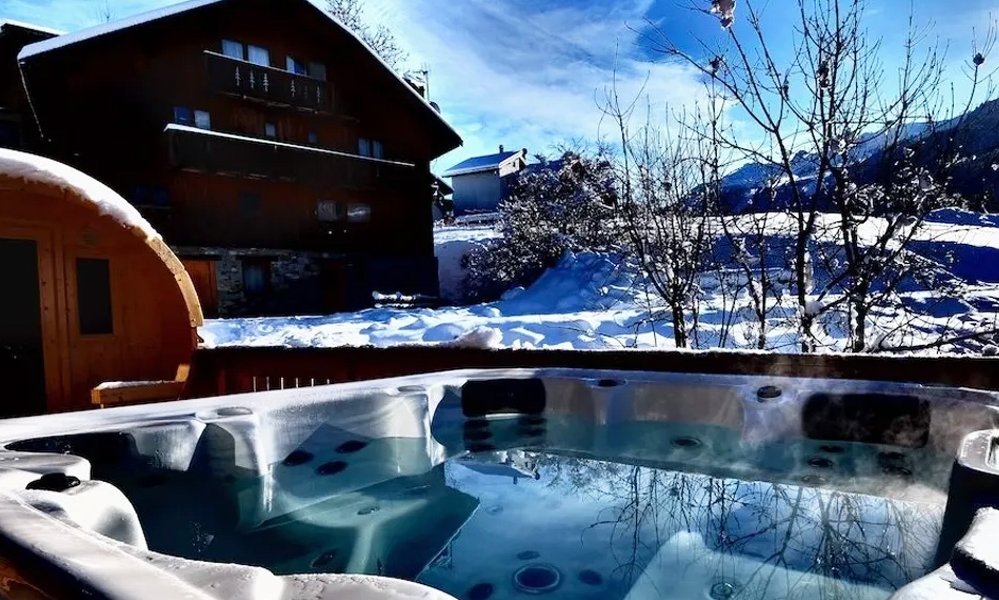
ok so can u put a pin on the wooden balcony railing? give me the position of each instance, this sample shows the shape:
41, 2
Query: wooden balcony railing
232, 76
206, 151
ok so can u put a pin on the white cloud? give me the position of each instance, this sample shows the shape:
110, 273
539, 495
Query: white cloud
516, 73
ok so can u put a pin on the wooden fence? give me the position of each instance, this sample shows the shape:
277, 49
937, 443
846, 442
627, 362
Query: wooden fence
237, 370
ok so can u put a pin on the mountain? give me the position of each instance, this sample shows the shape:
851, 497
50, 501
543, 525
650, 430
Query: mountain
758, 187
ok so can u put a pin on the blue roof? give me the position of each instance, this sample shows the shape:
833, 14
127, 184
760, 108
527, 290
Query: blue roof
479, 163
549, 165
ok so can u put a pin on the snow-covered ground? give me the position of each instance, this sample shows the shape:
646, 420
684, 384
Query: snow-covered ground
592, 301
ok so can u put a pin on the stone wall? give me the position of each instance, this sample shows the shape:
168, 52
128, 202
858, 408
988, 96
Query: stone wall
296, 284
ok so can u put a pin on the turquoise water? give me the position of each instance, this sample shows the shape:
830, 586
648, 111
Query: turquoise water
612, 530
645, 512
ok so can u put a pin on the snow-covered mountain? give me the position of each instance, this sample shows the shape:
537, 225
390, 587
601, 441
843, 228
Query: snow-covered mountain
805, 164
758, 186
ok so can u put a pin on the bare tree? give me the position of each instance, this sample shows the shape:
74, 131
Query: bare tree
667, 218
827, 108
379, 38
103, 12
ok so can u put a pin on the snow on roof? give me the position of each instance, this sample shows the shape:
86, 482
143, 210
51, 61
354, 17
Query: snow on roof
269, 142
478, 164
106, 28
31, 168
167, 11
442, 185
32, 27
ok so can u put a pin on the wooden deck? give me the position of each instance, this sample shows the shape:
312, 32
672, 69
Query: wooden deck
238, 370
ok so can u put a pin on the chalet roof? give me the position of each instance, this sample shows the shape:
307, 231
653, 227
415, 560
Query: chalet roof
480, 164
111, 27
69, 39
443, 186
5, 23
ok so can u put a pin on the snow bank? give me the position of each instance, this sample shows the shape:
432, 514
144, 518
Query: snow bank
591, 301
567, 308
581, 282
19, 166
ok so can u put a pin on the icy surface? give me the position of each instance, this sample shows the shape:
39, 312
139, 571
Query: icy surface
30, 168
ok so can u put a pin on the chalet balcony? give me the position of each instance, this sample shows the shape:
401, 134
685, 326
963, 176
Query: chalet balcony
208, 151
236, 77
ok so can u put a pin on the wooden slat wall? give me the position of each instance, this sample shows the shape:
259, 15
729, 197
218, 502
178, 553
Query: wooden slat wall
237, 370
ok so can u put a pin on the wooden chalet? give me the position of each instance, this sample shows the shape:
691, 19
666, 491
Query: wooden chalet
281, 159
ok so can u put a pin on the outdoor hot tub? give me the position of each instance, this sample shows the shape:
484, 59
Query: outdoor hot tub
511, 484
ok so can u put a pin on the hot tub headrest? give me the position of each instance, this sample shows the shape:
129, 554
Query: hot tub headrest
497, 396
868, 419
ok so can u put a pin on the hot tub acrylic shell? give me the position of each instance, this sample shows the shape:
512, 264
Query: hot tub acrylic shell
88, 539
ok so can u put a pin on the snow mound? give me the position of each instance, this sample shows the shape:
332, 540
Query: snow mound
480, 337
28, 168
584, 281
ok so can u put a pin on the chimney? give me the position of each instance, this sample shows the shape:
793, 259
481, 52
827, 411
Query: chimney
501, 148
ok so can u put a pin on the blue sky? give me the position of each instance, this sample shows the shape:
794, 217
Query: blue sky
529, 73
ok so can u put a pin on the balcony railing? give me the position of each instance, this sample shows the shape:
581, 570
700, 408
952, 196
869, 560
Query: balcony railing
225, 153
232, 76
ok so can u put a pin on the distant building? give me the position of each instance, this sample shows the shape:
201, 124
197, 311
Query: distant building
482, 182
280, 158
443, 200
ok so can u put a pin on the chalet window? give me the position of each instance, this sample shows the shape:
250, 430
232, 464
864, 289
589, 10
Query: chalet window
233, 49
358, 213
328, 211
377, 150
313, 137
249, 204
161, 197
202, 119
151, 196
270, 130
10, 135
93, 296
258, 56
183, 115
256, 276
364, 147
317, 71
296, 66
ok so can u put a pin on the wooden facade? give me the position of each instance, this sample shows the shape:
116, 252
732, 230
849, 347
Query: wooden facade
322, 151
88, 300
